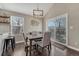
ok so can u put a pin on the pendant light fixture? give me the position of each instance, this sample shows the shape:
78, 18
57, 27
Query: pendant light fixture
37, 12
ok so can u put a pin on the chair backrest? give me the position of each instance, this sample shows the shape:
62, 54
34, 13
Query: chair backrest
30, 33
40, 32
25, 38
46, 38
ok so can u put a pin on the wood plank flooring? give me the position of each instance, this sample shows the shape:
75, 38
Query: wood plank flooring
56, 50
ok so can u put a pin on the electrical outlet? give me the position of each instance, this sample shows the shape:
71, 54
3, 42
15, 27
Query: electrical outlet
71, 27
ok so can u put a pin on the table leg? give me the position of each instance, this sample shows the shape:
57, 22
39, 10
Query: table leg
3, 48
7, 42
12, 44
30, 46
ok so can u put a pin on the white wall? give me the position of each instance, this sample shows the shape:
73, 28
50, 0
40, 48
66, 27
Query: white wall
1, 44
73, 18
29, 27
4, 28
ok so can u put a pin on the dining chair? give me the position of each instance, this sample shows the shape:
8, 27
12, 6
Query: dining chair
45, 43
27, 44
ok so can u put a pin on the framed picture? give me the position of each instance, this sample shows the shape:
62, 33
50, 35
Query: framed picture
34, 22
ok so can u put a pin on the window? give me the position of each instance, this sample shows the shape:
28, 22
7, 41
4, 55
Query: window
59, 28
17, 24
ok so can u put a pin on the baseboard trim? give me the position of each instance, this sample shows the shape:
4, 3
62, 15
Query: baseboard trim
19, 42
68, 46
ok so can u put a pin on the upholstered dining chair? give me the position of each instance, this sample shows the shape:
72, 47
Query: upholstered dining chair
27, 44
45, 43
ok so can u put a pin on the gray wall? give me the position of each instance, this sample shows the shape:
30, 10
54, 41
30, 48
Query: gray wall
73, 18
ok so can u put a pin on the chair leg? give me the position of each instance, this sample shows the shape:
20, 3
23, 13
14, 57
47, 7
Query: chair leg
50, 45
42, 50
26, 50
34, 47
12, 44
48, 49
37, 47
7, 42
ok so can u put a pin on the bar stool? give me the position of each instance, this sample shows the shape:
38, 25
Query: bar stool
7, 41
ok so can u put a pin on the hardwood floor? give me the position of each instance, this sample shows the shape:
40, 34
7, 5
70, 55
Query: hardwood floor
56, 50
19, 50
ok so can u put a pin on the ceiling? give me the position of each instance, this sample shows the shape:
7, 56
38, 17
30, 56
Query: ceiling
26, 8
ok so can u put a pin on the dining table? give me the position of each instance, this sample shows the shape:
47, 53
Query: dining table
32, 38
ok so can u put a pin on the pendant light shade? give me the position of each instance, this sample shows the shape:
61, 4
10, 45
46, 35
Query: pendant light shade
37, 12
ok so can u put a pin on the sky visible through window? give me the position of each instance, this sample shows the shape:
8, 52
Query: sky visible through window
51, 23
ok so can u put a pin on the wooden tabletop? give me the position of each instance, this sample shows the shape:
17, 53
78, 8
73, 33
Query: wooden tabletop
31, 37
